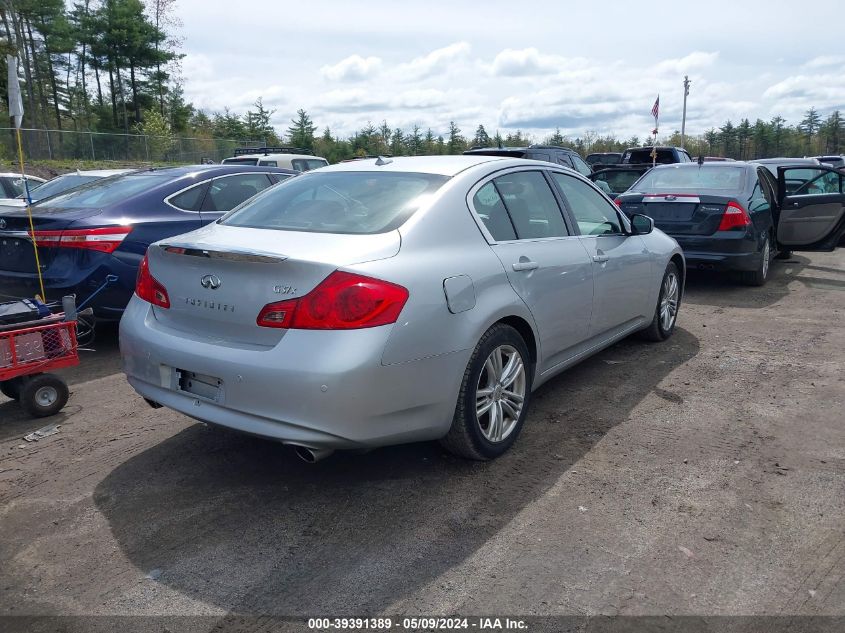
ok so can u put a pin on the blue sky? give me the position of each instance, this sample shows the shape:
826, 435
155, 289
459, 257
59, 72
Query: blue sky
534, 66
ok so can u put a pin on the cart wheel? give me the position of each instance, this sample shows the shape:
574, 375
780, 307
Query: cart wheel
11, 388
43, 395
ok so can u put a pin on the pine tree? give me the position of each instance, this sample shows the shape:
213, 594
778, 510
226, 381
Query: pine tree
457, 143
302, 129
481, 139
414, 141
809, 126
257, 124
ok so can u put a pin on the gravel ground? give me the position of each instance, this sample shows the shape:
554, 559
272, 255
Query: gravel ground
704, 475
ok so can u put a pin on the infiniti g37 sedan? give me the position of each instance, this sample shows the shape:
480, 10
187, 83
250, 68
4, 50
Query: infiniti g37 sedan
381, 302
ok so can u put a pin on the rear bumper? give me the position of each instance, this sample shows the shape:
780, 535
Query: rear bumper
314, 389
722, 251
65, 278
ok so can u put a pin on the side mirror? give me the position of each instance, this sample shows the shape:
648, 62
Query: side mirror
641, 224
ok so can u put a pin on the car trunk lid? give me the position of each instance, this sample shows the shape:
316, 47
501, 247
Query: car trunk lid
679, 214
219, 278
16, 252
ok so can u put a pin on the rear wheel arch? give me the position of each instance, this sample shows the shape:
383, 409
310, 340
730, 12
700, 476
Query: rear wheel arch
525, 331
678, 260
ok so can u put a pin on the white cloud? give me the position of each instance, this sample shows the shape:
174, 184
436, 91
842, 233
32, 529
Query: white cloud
197, 67
694, 61
353, 68
439, 60
529, 62
823, 61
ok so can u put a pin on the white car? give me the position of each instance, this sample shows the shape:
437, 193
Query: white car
58, 184
12, 186
285, 157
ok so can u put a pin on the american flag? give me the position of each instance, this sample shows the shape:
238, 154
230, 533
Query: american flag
655, 109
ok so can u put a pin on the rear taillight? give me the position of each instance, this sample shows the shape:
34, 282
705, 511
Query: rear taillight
618, 202
149, 288
342, 301
734, 217
104, 239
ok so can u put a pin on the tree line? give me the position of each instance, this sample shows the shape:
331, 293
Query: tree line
114, 66
812, 136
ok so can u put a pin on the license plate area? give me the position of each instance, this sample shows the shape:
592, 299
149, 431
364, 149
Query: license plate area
202, 385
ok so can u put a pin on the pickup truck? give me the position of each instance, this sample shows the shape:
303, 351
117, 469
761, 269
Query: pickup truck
665, 156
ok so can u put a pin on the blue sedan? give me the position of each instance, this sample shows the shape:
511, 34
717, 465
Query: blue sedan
101, 230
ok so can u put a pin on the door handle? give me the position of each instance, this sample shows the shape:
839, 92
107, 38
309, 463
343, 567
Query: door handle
600, 259
525, 265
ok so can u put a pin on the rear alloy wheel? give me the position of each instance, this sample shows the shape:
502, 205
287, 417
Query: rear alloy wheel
668, 303
761, 275
494, 396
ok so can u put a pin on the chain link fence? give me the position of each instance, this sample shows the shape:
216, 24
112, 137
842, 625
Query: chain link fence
75, 145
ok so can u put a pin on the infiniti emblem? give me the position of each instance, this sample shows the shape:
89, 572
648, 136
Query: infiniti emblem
2, 223
212, 282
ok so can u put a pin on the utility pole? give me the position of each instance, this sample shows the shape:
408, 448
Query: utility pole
687, 82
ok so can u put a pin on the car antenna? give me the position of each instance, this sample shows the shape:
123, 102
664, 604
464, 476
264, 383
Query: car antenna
381, 160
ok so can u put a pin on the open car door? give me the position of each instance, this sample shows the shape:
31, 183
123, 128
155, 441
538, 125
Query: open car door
812, 208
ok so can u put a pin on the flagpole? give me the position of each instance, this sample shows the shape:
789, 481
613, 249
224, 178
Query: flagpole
16, 112
29, 214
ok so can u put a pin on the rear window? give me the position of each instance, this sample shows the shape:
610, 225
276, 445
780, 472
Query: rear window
618, 181
307, 164
717, 178
106, 191
60, 184
603, 159
239, 161
339, 202
664, 156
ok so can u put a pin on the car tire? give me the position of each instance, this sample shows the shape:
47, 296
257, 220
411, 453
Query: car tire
668, 303
44, 395
11, 388
760, 276
488, 415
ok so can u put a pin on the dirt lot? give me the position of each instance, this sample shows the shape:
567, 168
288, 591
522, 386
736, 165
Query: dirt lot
700, 476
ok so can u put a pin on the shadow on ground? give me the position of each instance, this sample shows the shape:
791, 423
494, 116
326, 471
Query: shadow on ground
240, 523
722, 289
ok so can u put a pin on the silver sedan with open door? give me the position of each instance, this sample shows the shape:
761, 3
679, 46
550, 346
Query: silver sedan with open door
385, 301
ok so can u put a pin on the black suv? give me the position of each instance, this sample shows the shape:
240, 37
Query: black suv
549, 153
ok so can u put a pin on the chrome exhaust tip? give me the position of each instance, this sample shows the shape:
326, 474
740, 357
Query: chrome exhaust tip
312, 455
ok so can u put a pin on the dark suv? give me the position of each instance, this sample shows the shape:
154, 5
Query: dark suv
549, 153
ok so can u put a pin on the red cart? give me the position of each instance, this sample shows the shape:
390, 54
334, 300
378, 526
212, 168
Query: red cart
27, 352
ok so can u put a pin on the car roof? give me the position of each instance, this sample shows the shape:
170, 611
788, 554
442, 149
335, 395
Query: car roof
786, 161
443, 165
102, 173
737, 164
276, 156
490, 151
212, 170
11, 174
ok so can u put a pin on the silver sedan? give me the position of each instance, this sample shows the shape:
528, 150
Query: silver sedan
386, 301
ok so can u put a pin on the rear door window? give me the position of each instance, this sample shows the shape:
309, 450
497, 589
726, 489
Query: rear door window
227, 192
530, 209
190, 199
